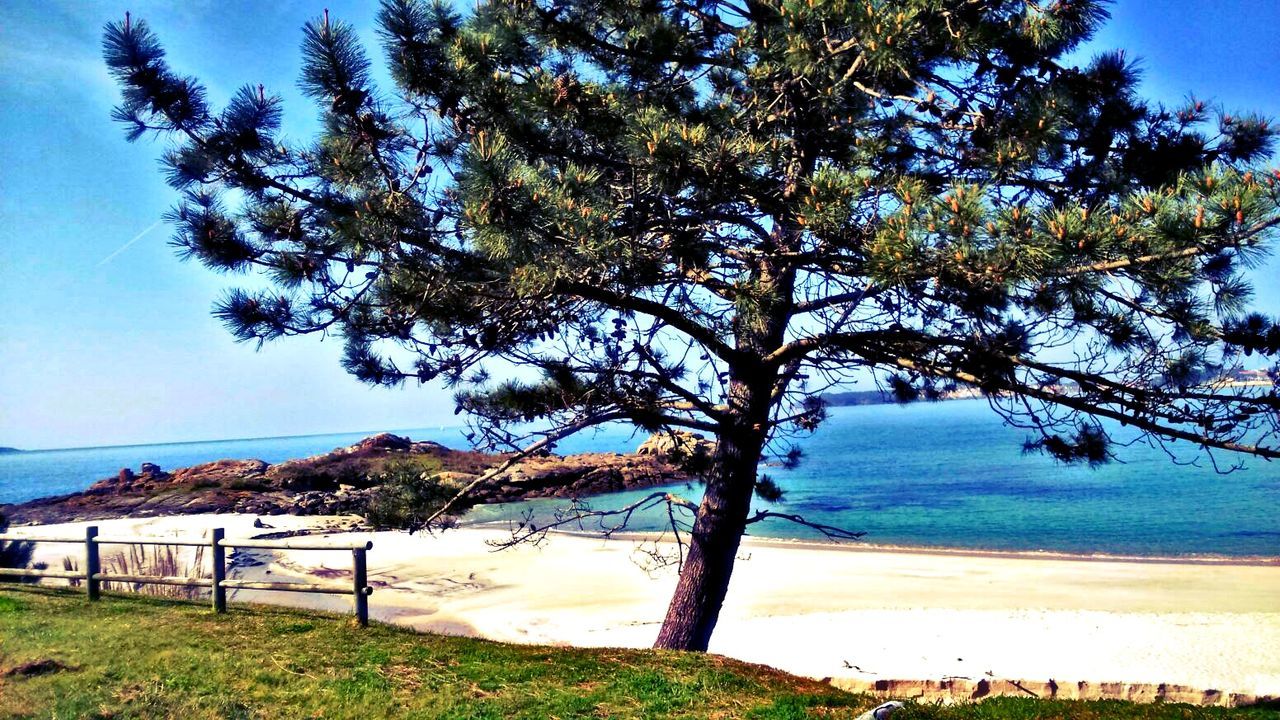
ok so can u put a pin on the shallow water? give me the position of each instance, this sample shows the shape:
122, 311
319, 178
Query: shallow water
947, 474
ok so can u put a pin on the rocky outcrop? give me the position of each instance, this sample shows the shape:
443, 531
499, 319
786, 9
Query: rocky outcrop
580, 476
965, 689
339, 482
151, 479
685, 449
382, 441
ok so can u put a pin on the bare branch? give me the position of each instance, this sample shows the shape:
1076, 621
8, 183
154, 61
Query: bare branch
582, 516
549, 439
830, 531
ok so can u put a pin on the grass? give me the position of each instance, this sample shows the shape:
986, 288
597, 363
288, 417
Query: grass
136, 656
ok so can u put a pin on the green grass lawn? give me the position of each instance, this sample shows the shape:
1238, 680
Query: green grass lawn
130, 656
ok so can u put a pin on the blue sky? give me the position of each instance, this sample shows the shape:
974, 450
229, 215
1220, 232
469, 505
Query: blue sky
100, 345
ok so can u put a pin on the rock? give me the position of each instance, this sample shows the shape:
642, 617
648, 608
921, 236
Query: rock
151, 469
382, 441
456, 479
681, 447
881, 712
967, 690
578, 476
220, 471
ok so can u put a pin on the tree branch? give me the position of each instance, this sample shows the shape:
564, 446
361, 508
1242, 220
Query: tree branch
549, 439
1243, 240
670, 315
830, 531
530, 531
1077, 403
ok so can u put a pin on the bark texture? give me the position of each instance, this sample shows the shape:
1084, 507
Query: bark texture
713, 546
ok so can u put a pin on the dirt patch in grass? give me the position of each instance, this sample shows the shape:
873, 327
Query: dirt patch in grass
35, 668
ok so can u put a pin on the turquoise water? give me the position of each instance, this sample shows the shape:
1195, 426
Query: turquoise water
947, 474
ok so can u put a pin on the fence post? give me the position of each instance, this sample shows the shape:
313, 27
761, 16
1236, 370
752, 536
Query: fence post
91, 564
360, 581
219, 559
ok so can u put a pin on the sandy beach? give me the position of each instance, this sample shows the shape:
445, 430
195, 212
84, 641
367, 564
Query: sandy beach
851, 613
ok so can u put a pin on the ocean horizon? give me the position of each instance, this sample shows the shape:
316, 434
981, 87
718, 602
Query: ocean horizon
248, 438
937, 475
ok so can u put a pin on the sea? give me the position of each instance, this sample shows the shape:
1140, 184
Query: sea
933, 475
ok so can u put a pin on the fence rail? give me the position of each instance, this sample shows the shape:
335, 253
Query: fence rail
217, 542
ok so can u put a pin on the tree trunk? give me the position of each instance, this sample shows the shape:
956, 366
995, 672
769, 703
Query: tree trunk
722, 516
713, 544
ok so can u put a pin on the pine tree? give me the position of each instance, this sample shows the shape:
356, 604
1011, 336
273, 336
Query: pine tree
699, 214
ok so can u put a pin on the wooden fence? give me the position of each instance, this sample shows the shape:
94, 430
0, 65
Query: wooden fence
217, 542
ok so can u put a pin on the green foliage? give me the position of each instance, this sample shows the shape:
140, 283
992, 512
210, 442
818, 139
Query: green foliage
518, 401
1087, 444
658, 208
767, 489
406, 494
358, 470
702, 215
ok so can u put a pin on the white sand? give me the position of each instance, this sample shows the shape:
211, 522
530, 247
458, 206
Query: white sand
814, 610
